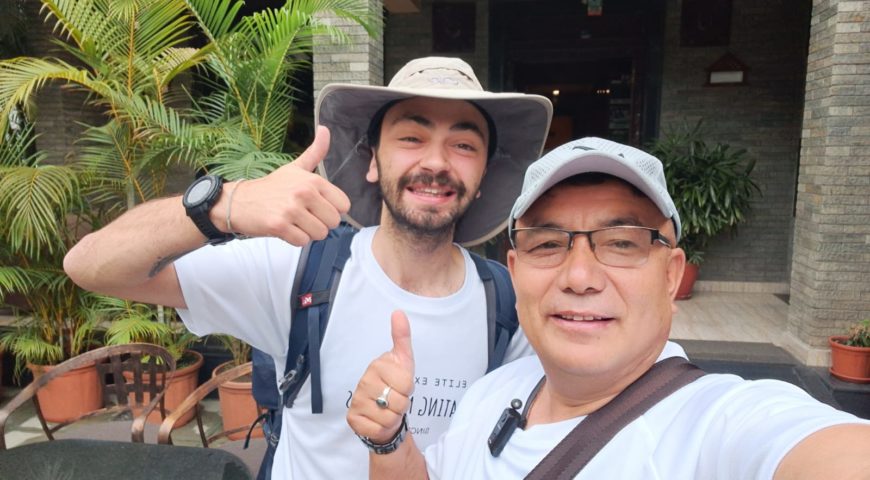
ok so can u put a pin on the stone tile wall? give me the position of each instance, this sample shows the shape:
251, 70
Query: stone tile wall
763, 117
830, 281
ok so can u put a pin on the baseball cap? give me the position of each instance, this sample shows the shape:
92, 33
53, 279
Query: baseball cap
591, 154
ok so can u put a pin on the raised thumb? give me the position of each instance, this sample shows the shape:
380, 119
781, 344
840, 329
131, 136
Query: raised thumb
315, 152
401, 332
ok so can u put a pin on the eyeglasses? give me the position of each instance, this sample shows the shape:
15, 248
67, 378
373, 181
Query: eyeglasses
624, 246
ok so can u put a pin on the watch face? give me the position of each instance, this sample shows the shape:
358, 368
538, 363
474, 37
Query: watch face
199, 191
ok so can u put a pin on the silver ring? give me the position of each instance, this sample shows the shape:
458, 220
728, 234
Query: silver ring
384, 400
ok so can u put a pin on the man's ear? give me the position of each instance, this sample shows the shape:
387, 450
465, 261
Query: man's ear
511, 261
675, 268
372, 173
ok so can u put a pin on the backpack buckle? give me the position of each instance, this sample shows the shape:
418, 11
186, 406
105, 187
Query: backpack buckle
290, 378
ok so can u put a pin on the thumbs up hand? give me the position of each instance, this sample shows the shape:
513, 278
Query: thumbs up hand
291, 203
383, 393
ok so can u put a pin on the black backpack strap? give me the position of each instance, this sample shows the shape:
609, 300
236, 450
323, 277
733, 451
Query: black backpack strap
569, 457
312, 305
501, 314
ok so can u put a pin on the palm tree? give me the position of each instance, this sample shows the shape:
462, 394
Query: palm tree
41, 207
131, 57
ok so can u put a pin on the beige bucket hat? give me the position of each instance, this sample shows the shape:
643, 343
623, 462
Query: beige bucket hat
521, 122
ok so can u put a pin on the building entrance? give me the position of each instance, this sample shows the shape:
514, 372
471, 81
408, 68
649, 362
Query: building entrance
600, 68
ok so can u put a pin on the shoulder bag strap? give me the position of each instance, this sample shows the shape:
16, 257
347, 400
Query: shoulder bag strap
569, 457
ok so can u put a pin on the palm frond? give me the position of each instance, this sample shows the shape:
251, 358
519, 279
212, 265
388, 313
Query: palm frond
20, 77
215, 17
240, 158
34, 202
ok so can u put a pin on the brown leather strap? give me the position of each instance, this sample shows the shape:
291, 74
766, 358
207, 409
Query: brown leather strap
578, 447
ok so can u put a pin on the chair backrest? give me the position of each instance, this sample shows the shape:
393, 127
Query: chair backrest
164, 435
132, 377
251, 454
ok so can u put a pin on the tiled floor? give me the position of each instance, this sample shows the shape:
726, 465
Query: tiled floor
735, 317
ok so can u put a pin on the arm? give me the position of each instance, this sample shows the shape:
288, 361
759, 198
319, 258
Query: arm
394, 369
132, 257
841, 452
407, 462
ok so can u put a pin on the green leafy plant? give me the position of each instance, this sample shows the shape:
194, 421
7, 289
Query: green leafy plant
134, 60
41, 207
859, 334
138, 322
238, 349
710, 184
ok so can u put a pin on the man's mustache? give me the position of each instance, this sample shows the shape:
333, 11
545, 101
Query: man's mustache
441, 179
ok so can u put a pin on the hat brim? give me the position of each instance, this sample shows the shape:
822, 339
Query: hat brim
521, 120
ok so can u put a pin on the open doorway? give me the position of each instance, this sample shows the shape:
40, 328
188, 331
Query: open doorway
600, 66
589, 98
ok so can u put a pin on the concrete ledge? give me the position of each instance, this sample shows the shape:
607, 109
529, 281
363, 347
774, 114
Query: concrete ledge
806, 354
736, 351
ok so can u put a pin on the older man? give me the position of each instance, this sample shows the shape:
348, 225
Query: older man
596, 267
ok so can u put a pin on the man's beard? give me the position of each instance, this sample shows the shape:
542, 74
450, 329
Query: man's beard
424, 222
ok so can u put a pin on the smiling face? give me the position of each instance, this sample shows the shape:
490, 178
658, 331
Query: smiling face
429, 163
586, 319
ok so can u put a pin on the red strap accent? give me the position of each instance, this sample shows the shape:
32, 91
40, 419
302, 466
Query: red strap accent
306, 300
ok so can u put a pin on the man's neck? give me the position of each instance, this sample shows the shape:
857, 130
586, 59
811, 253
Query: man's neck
424, 266
566, 396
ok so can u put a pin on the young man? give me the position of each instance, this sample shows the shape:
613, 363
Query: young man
441, 155
595, 267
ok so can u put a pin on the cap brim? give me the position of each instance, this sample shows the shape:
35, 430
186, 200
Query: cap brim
522, 122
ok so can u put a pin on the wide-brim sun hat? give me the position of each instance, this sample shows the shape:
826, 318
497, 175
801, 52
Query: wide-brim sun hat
591, 154
521, 122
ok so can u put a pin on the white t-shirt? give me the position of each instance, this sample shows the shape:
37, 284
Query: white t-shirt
718, 427
242, 288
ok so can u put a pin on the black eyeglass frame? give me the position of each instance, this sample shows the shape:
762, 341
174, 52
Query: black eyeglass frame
655, 235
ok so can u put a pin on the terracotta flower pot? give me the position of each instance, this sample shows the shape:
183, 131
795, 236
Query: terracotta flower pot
851, 364
238, 407
183, 383
70, 395
690, 274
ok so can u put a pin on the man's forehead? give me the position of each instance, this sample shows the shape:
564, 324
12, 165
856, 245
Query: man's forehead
623, 205
461, 114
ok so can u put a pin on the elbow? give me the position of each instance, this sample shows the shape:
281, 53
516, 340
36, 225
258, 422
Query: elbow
78, 266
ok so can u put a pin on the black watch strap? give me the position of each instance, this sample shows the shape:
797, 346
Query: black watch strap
198, 209
392, 445
205, 225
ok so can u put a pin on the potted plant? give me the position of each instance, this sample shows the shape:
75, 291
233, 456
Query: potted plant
237, 405
140, 323
711, 188
850, 353
42, 210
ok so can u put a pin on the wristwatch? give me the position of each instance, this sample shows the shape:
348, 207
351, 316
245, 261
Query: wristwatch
198, 200
392, 445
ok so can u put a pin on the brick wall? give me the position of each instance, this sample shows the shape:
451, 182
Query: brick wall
763, 117
830, 282
359, 61
409, 35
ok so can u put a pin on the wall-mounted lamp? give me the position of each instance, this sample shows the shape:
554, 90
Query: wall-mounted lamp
727, 70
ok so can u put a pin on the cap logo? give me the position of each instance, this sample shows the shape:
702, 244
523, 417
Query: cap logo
444, 80
583, 147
